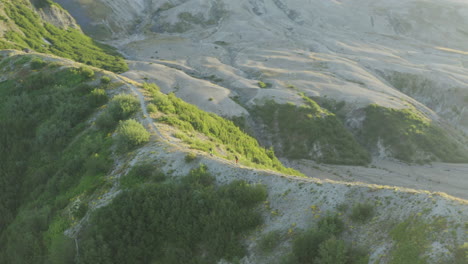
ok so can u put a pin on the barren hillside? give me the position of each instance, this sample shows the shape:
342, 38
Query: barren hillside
252, 131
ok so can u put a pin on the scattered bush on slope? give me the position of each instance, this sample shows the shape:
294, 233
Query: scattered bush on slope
130, 134
121, 107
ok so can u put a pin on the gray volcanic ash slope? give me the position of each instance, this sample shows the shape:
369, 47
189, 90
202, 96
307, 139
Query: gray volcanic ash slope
228, 57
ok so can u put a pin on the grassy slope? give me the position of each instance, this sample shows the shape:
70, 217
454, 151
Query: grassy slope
71, 43
222, 136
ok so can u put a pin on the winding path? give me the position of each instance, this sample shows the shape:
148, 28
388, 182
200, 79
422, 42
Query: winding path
384, 184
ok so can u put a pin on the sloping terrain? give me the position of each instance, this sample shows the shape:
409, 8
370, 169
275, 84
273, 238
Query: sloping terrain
100, 183
229, 58
104, 168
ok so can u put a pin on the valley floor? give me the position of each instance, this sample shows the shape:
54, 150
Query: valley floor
436, 177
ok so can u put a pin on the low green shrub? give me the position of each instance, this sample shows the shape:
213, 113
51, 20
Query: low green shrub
121, 107
106, 121
164, 104
98, 97
105, 80
152, 108
86, 72
306, 246
245, 194
361, 212
332, 251
270, 241
190, 157
130, 134
264, 85
331, 224
37, 63
142, 173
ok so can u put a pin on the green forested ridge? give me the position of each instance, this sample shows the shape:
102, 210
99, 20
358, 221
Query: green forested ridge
309, 131
410, 136
220, 132
67, 43
50, 156
54, 162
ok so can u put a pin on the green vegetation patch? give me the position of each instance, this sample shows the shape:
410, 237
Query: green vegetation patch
461, 254
190, 221
50, 157
219, 131
121, 107
309, 132
412, 239
131, 134
142, 173
410, 136
264, 85
46, 38
323, 244
270, 241
362, 212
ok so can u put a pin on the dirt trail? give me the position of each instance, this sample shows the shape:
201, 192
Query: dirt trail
149, 123
382, 174
288, 196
